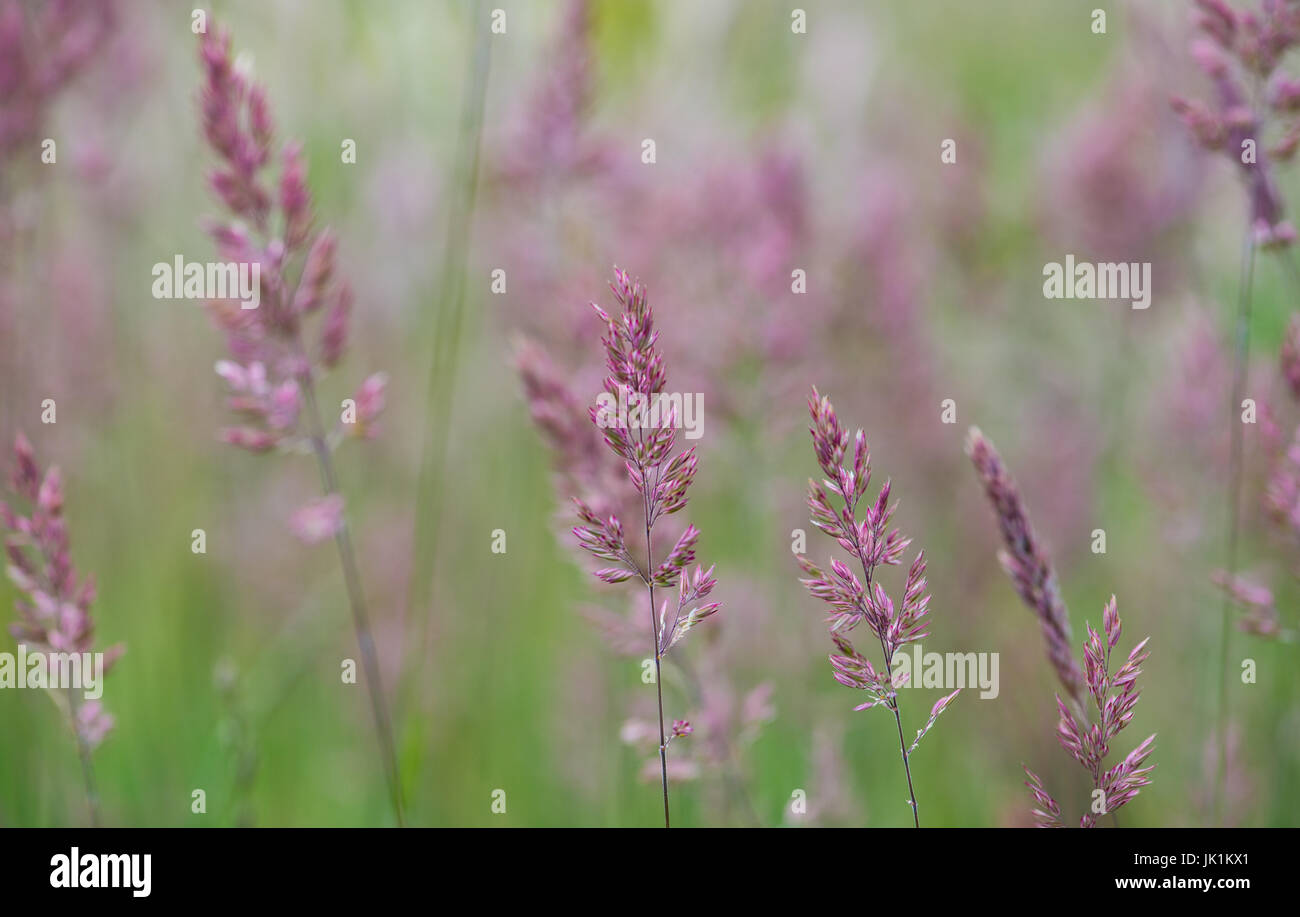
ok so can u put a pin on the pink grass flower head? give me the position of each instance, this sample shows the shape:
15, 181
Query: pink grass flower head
1281, 501
1118, 177
54, 608
551, 141
1290, 357
320, 520
661, 478
1239, 49
1026, 561
275, 365
862, 528
369, 401
1259, 613
1282, 492
94, 722
42, 47
585, 466
1114, 696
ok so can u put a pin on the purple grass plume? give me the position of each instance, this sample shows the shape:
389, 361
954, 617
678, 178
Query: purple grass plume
637, 373
54, 610
1253, 122
1260, 616
872, 543
1258, 608
42, 48
274, 369
1114, 697
1026, 561
724, 723
1239, 50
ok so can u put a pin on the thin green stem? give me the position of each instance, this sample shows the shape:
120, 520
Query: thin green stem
449, 307
659, 688
902, 742
893, 704
732, 775
1241, 356
360, 617
87, 765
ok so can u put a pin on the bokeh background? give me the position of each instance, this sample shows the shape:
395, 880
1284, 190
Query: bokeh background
775, 151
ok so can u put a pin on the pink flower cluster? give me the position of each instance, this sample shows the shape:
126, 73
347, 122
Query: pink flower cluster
54, 614
870, 540
1115, 697
662, 479
42, 47
873, 543
272, 366
1240, 50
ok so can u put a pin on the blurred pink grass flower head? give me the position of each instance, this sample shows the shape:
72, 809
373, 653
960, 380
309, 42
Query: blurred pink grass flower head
1259, 614
1115, 697
54, 612
271, 365
873, 543
550, 139
1289, 357
273, 370
1239, 50
319, 520
660, 478
1026, 561
42, 47
1281, 502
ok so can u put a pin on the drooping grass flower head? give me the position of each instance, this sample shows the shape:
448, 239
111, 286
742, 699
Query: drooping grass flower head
1026, 561
1113, 696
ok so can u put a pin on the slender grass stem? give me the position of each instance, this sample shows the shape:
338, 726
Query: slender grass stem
893, 705
1241, 356
902, 742
659, 688
731, 772
646, 490
449, 304
87, 765
360, 617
